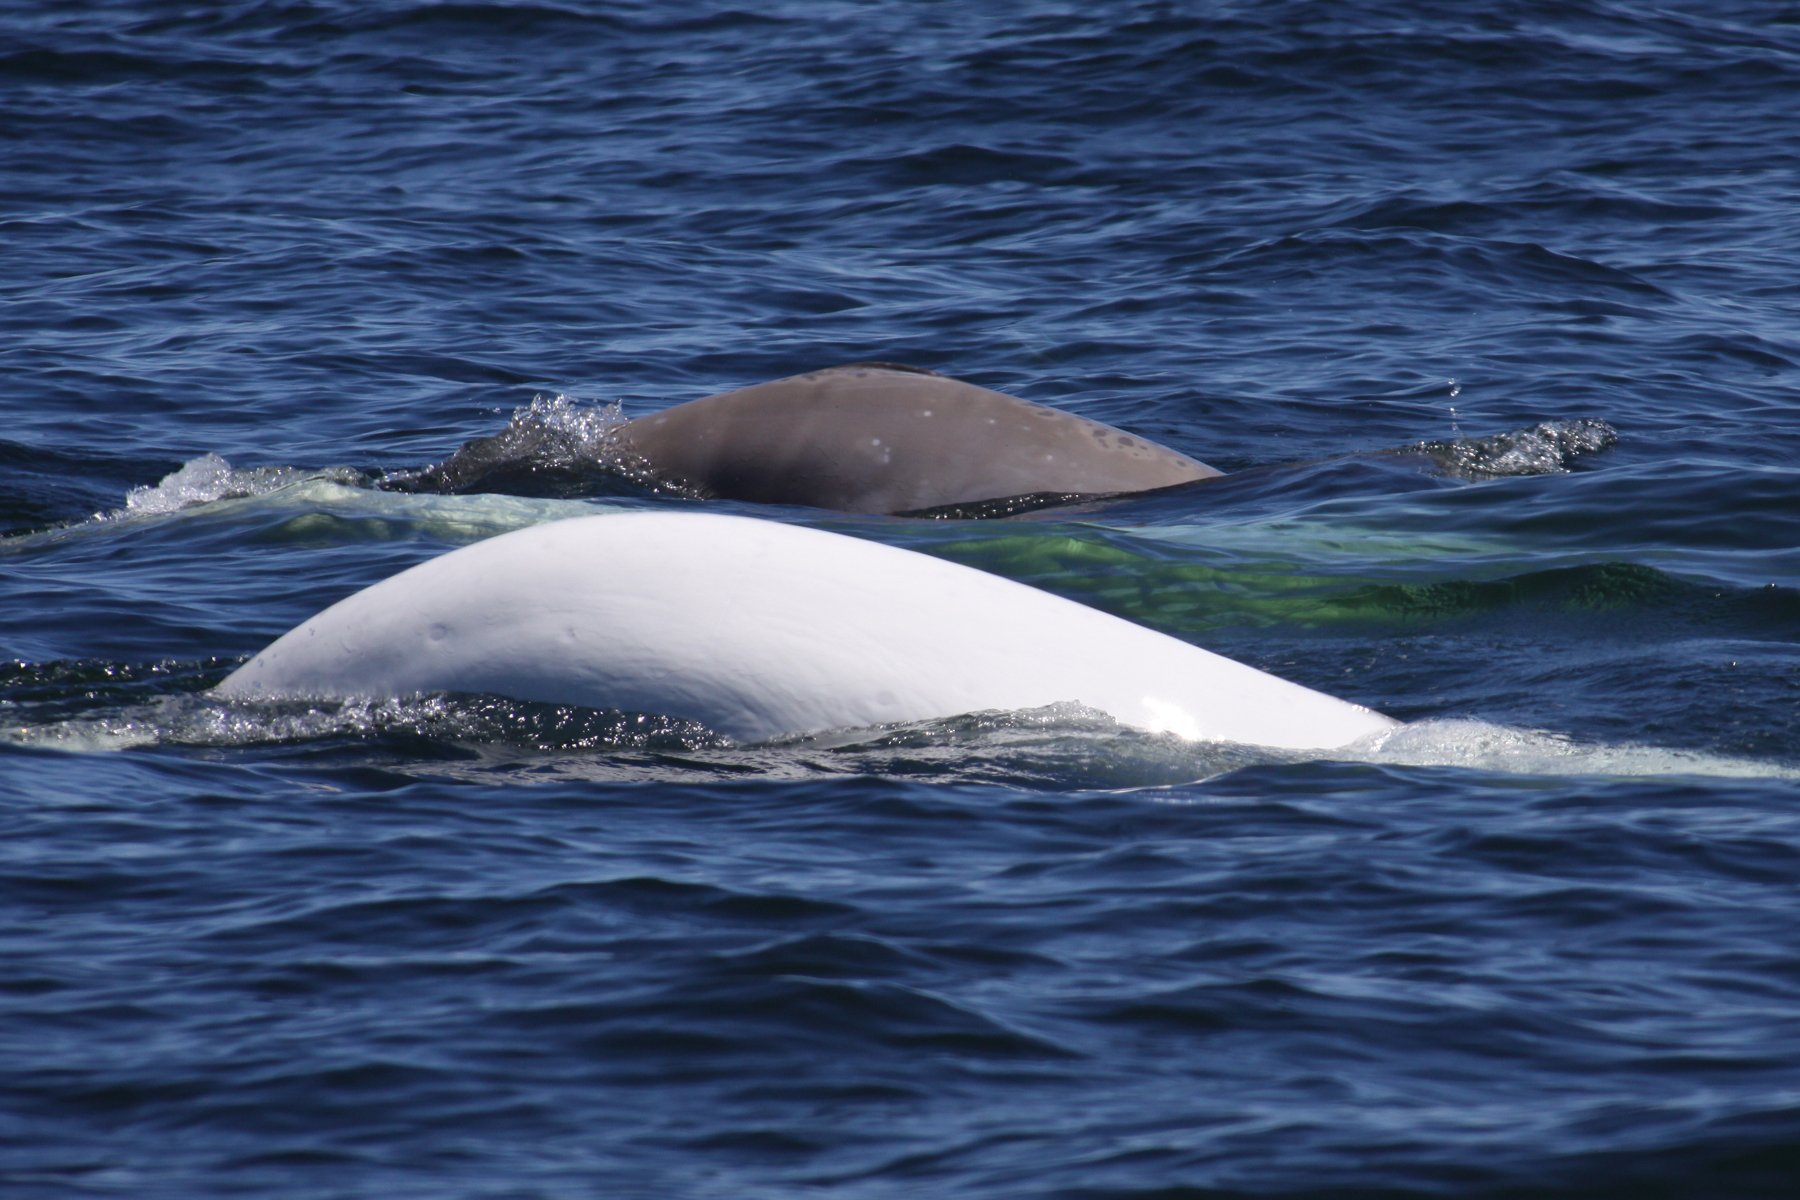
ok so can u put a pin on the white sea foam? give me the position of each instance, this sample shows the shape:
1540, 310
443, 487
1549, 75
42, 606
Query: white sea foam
210, 478
1485, 746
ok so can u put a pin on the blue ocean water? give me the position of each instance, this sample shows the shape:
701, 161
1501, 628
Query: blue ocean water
1489, 308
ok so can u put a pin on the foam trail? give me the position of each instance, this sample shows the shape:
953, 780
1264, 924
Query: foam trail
1483, 745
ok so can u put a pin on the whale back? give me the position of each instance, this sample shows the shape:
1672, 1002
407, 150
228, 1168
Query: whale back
884, 439
759, 629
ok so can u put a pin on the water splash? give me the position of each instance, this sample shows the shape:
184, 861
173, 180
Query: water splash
1482, 745
1543, 449
561, 431
211, 478
552, 447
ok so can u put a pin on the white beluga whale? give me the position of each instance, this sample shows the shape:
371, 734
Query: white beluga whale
761, 630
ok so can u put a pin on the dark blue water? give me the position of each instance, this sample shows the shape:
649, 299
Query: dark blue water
1547, 942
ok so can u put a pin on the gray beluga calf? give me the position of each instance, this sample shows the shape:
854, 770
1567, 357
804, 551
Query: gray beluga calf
880, 438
